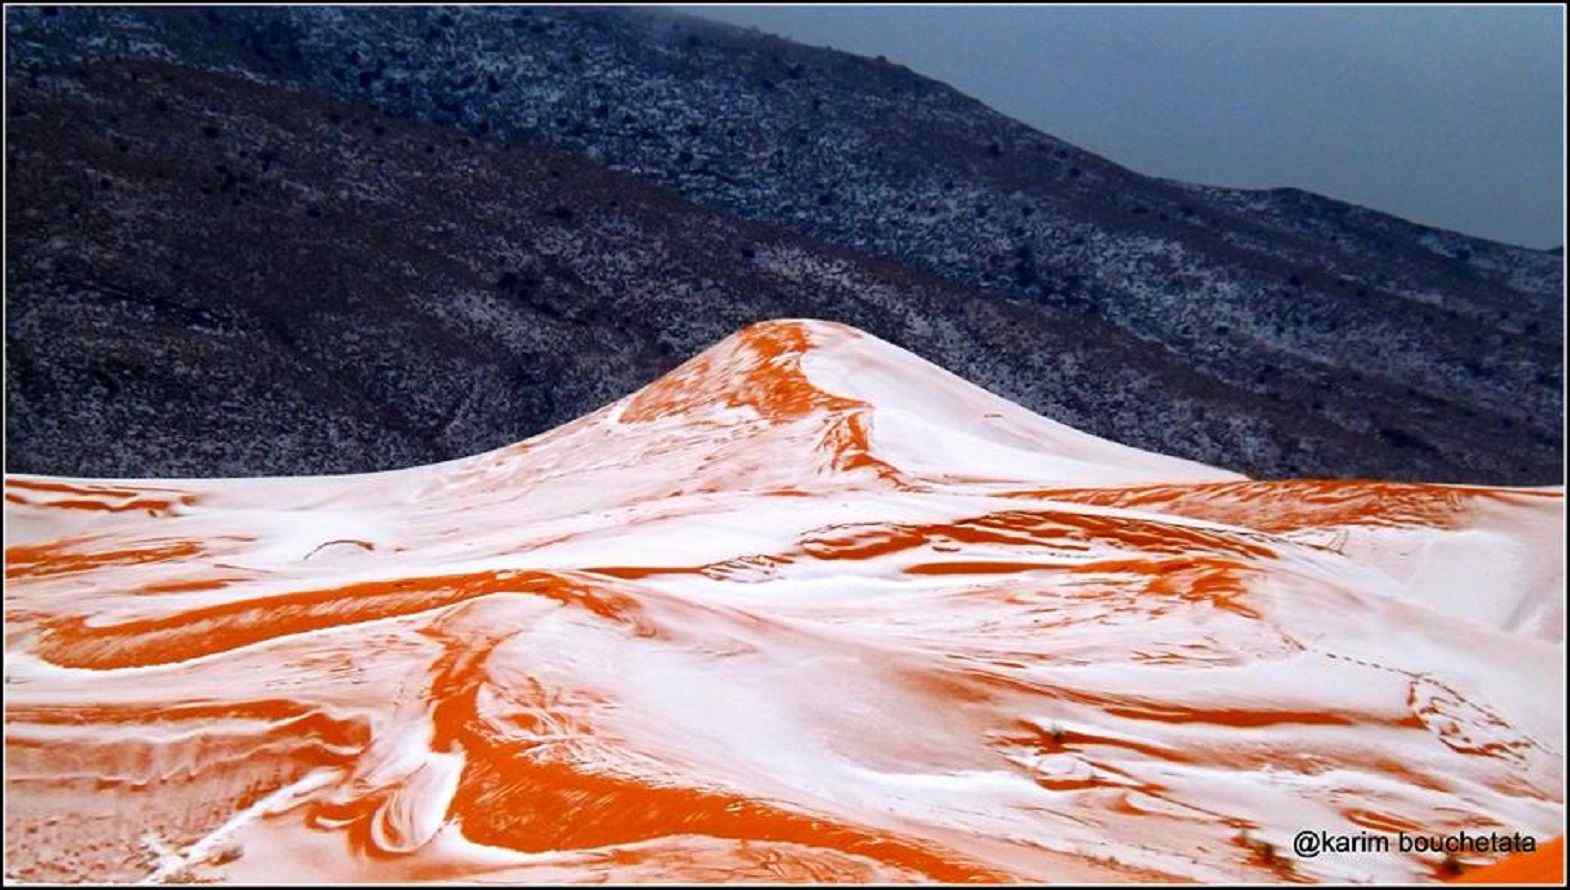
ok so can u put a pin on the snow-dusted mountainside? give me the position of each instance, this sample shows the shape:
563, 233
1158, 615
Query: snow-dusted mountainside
806, 608
369, 163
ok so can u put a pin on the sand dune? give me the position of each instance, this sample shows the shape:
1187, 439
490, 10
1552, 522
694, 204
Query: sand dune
806, 609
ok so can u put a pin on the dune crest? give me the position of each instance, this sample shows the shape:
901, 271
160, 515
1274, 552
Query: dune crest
808, 608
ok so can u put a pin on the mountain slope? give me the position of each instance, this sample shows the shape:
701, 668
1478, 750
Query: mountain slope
1439, 355
770, 619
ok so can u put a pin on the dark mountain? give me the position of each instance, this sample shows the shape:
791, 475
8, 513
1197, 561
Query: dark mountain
324, 239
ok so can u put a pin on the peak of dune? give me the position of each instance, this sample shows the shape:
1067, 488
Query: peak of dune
801, 401
806, 608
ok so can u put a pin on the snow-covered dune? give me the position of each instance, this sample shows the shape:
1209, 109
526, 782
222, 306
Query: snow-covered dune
807, 608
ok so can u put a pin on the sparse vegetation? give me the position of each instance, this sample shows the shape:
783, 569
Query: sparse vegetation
1088, 260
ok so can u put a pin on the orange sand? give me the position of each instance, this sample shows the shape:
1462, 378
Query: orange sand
1545, 865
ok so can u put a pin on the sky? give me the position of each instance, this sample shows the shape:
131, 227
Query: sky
1448, 116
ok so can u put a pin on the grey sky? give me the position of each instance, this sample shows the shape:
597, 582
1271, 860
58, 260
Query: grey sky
1448, 116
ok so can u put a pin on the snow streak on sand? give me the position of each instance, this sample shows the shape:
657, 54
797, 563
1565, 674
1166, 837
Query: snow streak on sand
808, 608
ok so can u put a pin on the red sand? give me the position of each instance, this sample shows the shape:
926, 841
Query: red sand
1545, 865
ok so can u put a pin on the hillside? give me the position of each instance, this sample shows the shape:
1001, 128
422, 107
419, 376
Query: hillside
1276, 333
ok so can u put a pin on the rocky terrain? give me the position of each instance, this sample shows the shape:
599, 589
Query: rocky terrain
319, 239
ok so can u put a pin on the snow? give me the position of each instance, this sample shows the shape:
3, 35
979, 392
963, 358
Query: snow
809, 608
